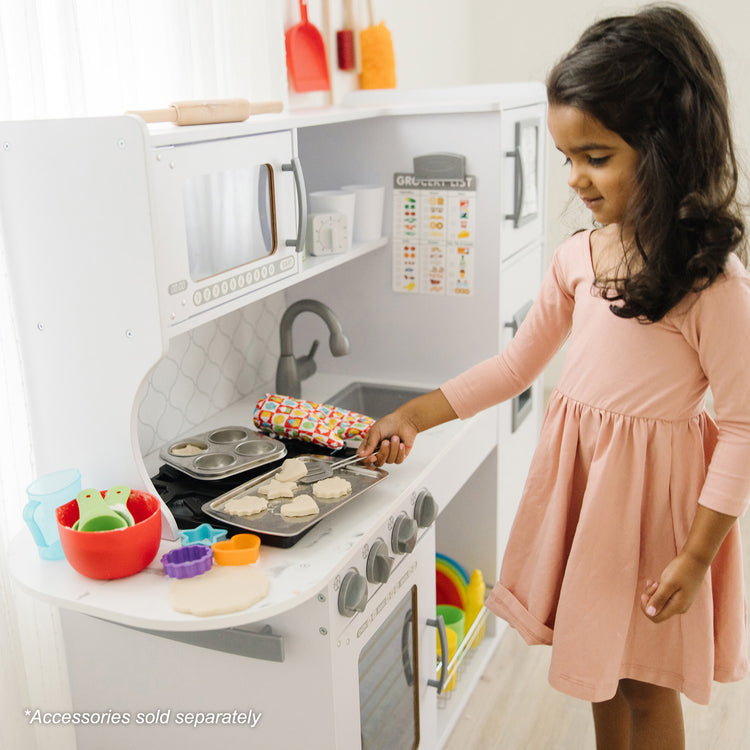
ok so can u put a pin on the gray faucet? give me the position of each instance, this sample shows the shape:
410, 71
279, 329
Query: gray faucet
291, 370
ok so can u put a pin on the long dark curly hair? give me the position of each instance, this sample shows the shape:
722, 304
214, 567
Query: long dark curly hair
654, 79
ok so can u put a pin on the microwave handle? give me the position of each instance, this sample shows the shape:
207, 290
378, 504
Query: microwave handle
299, 184
439, 623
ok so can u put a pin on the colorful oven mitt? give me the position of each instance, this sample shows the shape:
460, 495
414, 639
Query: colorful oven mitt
321, 424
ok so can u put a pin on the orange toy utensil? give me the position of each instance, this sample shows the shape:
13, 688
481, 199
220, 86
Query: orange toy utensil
378, 61
306, 55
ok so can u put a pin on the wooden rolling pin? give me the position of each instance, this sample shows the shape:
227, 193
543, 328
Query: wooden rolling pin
208, 111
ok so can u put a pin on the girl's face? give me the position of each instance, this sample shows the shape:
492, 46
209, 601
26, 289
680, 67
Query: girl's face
602, 165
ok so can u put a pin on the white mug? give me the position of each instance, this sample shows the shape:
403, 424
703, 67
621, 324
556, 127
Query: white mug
368, 211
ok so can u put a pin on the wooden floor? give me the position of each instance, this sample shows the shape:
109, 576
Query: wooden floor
514, 708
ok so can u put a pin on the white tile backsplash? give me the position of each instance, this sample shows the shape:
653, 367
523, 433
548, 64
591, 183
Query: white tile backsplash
209, 368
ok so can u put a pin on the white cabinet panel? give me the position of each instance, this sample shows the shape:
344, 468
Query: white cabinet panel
520, 418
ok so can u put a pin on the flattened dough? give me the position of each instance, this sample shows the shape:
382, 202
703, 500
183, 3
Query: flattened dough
222, 589
245, 505
189, 449
331, 488
302, 505
275, 489
291, 470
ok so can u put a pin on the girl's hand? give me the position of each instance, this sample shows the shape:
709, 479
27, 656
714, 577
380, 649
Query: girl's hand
681, 579
389, 440
676, 590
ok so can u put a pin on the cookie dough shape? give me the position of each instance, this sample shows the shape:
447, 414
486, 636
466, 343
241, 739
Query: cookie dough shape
276, 489
222, 589
302, 505
245, 505
292, 470
332, 488
189, 449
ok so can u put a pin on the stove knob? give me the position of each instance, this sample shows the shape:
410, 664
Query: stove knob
404, 535
425, 509
379, 563
352, 594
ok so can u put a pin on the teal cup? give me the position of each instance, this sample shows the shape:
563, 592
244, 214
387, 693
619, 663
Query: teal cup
45, 495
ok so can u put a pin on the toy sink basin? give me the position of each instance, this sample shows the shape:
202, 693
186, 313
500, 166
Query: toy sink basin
373, 399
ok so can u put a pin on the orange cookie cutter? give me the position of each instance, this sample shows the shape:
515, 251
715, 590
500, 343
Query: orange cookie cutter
241, 549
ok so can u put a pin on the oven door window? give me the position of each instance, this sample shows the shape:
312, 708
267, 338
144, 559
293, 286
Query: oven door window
229, 219
388, 691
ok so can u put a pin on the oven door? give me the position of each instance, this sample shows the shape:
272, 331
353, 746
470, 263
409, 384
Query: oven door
385, 658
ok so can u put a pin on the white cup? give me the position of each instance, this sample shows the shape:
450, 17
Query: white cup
336, 202
368, 211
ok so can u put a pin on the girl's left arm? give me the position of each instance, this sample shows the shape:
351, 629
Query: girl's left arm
681, 579
717, 325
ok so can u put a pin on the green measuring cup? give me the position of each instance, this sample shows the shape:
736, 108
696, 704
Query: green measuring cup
95, 514
117, 498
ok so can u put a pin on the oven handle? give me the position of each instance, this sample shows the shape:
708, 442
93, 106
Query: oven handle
405, 660
439, 623
299, 185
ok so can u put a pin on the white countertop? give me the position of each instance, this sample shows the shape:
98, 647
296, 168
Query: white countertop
442, 458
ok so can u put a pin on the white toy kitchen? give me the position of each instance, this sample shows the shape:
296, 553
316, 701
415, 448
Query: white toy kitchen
134, 335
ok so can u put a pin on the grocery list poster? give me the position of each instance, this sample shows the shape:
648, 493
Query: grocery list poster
433, 233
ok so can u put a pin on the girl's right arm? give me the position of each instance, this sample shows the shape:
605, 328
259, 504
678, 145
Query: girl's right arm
496, 379
390, 439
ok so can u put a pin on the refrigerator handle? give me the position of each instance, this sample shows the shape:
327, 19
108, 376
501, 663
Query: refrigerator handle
515, 217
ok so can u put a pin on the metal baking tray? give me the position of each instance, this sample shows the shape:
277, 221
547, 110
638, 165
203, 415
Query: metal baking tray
274, 528
223, 452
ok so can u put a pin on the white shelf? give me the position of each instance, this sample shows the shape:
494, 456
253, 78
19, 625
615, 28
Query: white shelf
310, 267
358, 105
315, 264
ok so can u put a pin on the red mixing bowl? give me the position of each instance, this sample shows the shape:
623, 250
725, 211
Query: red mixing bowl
116, 553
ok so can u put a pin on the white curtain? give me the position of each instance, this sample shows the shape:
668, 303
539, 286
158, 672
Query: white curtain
72, 58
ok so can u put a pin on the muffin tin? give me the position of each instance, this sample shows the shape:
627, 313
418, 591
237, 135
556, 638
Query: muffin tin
270, 525
222, 452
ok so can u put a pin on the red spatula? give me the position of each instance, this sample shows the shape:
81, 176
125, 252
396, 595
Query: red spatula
306, 55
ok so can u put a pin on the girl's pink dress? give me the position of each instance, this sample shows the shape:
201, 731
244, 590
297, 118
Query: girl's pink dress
625, 454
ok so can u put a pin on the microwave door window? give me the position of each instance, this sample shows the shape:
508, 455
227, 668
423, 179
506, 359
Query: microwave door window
229, 219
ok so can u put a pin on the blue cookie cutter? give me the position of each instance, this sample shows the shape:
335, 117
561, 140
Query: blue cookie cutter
203, 534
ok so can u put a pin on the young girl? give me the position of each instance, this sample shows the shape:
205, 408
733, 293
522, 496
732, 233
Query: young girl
625, 554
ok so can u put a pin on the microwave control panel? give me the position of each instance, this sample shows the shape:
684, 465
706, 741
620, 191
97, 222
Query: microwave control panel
215, 292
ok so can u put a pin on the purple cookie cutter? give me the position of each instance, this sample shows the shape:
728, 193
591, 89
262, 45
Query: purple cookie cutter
187, 562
